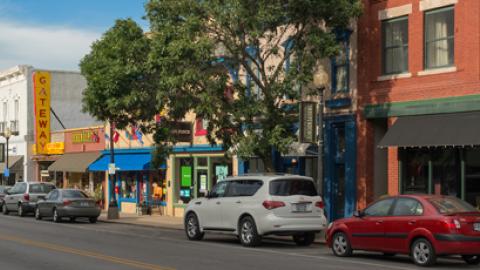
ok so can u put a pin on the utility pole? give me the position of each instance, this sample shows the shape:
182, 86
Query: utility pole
112, 206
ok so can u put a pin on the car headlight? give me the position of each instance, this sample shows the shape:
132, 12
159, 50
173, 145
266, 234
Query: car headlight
330, 225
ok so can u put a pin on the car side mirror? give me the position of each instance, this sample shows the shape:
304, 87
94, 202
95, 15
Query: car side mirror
358, 214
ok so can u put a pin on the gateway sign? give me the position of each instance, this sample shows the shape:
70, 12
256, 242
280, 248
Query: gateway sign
41, 97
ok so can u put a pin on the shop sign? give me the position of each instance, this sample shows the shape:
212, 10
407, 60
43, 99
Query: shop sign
55, 148
41, 93
85, 136
182, 131
307, 122
186, 177
111, 168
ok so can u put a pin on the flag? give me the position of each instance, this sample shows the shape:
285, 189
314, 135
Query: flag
139, 135
116, 136
127, 135
134, 133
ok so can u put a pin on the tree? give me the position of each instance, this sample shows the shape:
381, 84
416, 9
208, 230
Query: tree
119, 87
199, 46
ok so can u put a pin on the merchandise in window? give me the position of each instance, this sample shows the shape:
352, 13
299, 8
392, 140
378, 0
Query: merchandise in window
439, 38
395, 45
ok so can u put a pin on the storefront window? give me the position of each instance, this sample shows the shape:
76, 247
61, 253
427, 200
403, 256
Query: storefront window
446, 171
185, 179
128, 186
472, 176
415, 170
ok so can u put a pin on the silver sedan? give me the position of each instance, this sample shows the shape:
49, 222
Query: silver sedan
67, 203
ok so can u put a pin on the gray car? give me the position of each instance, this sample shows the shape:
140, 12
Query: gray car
23, 197
67, 203
3, 190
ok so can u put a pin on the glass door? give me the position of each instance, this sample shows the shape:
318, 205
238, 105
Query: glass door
339, 172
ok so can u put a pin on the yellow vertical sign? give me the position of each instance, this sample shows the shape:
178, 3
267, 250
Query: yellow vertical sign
41, 95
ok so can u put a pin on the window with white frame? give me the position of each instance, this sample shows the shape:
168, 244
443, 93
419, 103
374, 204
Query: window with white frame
439, 38
395, 45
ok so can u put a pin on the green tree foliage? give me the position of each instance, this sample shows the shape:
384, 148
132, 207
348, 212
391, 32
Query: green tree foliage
119, 84
195, 43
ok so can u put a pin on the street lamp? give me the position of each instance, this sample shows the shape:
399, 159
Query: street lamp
7, 134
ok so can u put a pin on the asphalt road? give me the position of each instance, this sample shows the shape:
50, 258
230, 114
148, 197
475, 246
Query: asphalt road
36, 245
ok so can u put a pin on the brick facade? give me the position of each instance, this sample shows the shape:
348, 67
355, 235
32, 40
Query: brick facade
416, 84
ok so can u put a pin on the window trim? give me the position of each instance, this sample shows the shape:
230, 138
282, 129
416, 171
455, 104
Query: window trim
425, 42
343, 36
403, 46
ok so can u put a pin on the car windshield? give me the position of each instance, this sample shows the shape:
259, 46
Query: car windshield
74, 194
451, 205
41, 188
290, 187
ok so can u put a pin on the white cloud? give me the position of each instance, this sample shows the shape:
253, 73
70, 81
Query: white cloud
57, 48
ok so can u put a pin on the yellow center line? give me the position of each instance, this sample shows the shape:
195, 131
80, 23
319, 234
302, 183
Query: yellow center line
84, 253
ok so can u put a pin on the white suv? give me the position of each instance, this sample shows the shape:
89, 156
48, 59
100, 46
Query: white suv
253, 206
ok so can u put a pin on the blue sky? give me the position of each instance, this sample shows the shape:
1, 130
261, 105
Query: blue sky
56, 34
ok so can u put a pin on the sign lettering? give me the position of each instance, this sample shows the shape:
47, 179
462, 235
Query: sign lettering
41, 93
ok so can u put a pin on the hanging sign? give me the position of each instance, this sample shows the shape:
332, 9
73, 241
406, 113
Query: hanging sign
307, 122
41, 94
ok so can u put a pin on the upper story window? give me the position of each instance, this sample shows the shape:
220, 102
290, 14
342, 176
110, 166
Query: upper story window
5, 111
252, 87
341, 64
439, 38
201, 127
395, 46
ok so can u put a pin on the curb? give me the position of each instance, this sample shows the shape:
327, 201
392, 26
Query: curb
142, 225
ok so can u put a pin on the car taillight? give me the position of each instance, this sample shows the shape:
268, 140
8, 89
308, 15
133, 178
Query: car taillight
66, 202
26, 197
272, 204
320, 204
453, 224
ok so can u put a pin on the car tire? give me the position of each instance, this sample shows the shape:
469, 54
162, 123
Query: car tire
471, 259
304, 239
56, 218
192, 228
38, 216
20, 211
423, 253
341, 246
92, 220
247, 230
5, 209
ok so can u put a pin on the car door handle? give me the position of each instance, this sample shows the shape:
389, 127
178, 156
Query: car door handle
238, 202
379, 222
198, 203
412, 222
218, 202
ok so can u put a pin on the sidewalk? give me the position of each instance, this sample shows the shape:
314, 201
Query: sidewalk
154, 220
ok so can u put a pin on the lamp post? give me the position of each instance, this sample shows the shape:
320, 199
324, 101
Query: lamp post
320, 91
7, 134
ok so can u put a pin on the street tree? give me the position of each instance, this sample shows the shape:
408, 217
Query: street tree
225, 61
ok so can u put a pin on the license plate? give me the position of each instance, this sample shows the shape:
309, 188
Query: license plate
84, 204
476, 227
300, 207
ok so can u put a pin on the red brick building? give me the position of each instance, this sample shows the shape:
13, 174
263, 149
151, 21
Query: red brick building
419, 99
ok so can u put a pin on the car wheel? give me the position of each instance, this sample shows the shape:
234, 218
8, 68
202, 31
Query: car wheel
249, 236
305, 239
20, 211
37, 214
192, 227
56, 217
471, 259
93, 220
422, 252
5, 209
341, 245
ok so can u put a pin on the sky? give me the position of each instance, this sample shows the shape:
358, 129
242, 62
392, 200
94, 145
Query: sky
56, 34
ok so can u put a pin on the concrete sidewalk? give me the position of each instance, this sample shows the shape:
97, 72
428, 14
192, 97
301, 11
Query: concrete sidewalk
154, 220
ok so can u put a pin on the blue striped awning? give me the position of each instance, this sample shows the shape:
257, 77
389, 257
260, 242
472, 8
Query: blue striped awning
125, 162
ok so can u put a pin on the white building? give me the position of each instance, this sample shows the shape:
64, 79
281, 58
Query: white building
17, 113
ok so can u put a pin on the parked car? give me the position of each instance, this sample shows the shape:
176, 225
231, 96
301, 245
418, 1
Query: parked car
254, 206
423, 226
67, 203
23, 197
3, 190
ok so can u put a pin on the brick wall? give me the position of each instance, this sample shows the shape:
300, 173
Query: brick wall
464, 80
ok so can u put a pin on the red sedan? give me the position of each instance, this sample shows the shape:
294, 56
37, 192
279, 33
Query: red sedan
424, 226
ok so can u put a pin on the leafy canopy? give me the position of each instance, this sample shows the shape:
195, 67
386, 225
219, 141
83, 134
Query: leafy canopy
200, 47
119, 84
